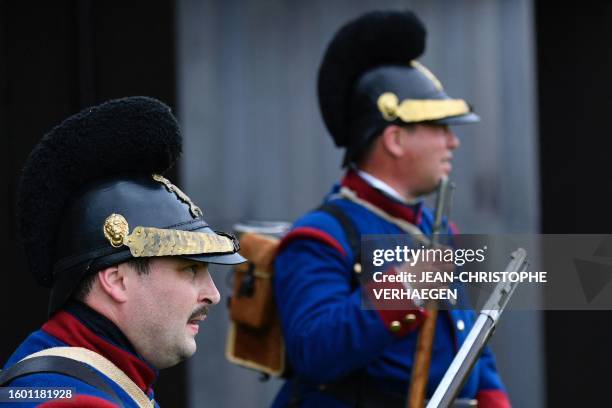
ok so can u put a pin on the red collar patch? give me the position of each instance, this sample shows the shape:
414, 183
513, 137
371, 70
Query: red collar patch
410, 213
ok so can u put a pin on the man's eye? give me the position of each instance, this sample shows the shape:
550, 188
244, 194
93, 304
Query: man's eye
193, 269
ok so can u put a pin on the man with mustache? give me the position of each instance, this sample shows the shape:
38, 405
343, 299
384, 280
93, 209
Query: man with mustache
124, 252
392, 116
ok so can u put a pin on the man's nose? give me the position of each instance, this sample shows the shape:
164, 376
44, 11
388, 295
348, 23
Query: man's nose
208, 291
452, 139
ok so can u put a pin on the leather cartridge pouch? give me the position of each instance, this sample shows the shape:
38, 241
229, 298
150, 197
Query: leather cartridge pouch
255, 339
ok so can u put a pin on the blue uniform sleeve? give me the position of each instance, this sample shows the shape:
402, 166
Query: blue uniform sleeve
489, 378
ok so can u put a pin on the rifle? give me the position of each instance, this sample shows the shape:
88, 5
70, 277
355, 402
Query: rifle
470, 350
422, 354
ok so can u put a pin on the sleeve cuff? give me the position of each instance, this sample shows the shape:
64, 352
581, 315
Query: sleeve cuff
400, 317
79, 401
493, 399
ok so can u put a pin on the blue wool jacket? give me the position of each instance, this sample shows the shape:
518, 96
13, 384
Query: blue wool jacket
329, 335
80, 326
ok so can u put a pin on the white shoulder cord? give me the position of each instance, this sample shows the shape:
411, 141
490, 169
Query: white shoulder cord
404, 225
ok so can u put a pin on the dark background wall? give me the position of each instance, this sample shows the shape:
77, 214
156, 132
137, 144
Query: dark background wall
256, 146
55, 59
575, 88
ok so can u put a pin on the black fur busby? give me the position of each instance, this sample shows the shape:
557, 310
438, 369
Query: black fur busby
374, 39
133, 134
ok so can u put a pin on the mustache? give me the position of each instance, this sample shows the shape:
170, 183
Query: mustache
199, 312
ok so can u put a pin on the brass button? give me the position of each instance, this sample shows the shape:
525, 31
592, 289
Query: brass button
357, 268
395, 326
410, 318
460, 325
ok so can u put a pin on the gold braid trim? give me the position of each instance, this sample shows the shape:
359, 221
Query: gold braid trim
149, 241
419, 110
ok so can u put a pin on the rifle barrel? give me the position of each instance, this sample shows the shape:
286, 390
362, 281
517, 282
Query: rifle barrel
470, 350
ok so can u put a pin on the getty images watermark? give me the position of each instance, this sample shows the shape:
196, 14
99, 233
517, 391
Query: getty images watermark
565, 272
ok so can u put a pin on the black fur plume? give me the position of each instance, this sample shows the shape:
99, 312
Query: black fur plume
133, 134
374, 39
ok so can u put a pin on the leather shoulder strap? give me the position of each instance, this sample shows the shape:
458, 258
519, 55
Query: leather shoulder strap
104, 366
352, 234
350, 231
59, 365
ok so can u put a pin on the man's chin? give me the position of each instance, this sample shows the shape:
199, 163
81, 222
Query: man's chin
444, 174
190, 348
431, 187
187, 351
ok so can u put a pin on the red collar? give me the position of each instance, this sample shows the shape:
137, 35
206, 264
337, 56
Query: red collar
70, 330
410, 213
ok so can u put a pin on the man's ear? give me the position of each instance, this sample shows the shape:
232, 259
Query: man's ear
392, 140
112, 282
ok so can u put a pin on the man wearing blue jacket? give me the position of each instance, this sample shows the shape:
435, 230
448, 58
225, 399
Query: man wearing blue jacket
392, 116
124, 252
